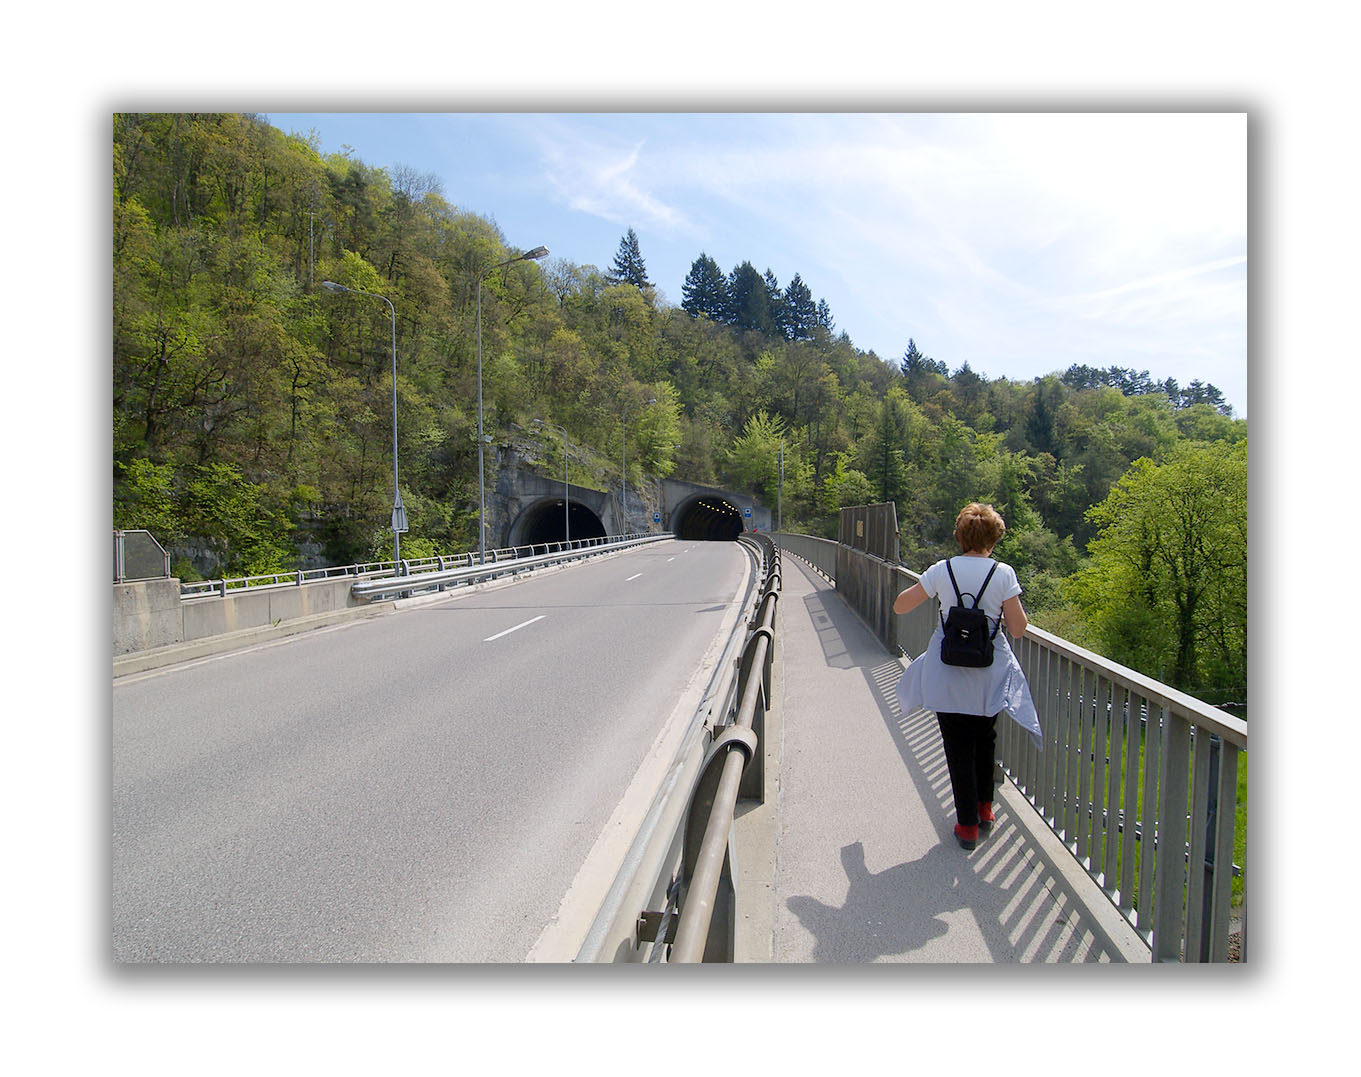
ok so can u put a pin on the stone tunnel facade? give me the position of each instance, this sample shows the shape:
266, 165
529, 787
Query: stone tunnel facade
527, 507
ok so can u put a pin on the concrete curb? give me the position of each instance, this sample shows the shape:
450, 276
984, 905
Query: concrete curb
1044, 847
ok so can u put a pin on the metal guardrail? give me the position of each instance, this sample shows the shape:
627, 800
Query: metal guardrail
419, 574
706, 866
674, 898
1119, 748
430, 577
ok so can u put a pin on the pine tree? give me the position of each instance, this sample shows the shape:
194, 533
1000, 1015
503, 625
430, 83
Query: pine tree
749, 300
774, 301
705, 290
800, 313
628, 263
825, 317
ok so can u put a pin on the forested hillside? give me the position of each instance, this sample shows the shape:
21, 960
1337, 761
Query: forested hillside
253, 409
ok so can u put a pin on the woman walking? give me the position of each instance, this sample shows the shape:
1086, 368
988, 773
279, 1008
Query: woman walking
968, 698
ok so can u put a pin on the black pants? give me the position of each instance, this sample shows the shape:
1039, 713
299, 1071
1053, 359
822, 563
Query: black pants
970, 745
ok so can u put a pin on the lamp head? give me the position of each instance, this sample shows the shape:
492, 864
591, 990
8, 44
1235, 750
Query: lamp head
537, 252
332, 286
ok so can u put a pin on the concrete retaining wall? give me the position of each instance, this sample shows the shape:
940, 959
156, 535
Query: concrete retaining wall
150, 613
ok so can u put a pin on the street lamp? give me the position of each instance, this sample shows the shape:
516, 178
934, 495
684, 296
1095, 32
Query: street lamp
537, 252
624, 462
566, 496
398, 509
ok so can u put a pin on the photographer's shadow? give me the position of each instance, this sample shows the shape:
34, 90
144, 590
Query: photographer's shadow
895, 911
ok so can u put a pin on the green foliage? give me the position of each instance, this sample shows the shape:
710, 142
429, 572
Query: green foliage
1165, 590
248, 530
754, 458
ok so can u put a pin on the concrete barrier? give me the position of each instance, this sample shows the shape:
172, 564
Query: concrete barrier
150, 613
146, 614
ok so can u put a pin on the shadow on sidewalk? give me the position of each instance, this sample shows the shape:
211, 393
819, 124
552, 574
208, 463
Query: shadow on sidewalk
1022, 911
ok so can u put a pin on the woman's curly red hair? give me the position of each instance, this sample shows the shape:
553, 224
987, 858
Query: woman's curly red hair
978, 527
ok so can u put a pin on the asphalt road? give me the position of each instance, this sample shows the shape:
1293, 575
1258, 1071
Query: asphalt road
418, 787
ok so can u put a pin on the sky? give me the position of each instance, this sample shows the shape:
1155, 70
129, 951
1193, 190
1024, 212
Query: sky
1020, 243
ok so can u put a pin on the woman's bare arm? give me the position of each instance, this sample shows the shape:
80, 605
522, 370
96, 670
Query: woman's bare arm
1014, 614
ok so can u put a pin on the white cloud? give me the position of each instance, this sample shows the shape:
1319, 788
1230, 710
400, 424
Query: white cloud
602, 177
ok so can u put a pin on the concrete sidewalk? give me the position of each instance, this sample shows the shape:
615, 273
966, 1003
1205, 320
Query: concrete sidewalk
852, 857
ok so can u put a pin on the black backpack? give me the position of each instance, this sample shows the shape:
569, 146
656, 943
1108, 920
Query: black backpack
967, 641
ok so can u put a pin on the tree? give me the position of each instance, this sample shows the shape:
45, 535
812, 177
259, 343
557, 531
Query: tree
705, 290
883, 456
1166, 588
845, 486
799, 314
628, 264
825, 321
755, 454
749, 300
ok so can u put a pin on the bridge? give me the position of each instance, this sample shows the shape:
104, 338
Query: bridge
661, 748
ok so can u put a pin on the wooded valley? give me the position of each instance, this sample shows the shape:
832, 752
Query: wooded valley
252, 409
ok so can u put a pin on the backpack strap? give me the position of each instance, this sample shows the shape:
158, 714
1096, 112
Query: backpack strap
959, 598
986, 580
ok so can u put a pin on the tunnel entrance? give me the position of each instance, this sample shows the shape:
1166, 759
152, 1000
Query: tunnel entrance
543, 522
708, 518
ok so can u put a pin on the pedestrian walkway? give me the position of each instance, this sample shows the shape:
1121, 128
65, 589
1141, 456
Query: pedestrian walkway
852, 857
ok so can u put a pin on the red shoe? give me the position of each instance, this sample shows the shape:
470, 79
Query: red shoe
985, 816
967, 836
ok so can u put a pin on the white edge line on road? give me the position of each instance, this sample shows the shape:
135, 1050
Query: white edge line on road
635, 576
516, 628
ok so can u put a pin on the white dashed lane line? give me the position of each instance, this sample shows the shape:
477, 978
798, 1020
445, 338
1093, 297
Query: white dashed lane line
516, 628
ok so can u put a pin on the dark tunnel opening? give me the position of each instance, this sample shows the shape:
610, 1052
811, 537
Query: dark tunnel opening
709, 519
544, 523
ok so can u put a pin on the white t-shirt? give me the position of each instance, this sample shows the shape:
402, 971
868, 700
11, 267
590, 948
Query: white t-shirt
969, 574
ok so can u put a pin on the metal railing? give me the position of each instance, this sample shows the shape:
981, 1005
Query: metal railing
418, 574
675, 897
706, 866
1137, 779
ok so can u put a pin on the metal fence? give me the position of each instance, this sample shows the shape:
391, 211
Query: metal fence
1139, 780
871, 528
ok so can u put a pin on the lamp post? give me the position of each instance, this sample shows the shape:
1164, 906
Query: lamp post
536, 253
398, 509
566, 495
779, 497
624, 462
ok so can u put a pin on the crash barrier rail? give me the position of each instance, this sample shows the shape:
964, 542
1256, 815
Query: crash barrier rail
1138, 780
431, 576
414, 575
138, 556
675, 899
